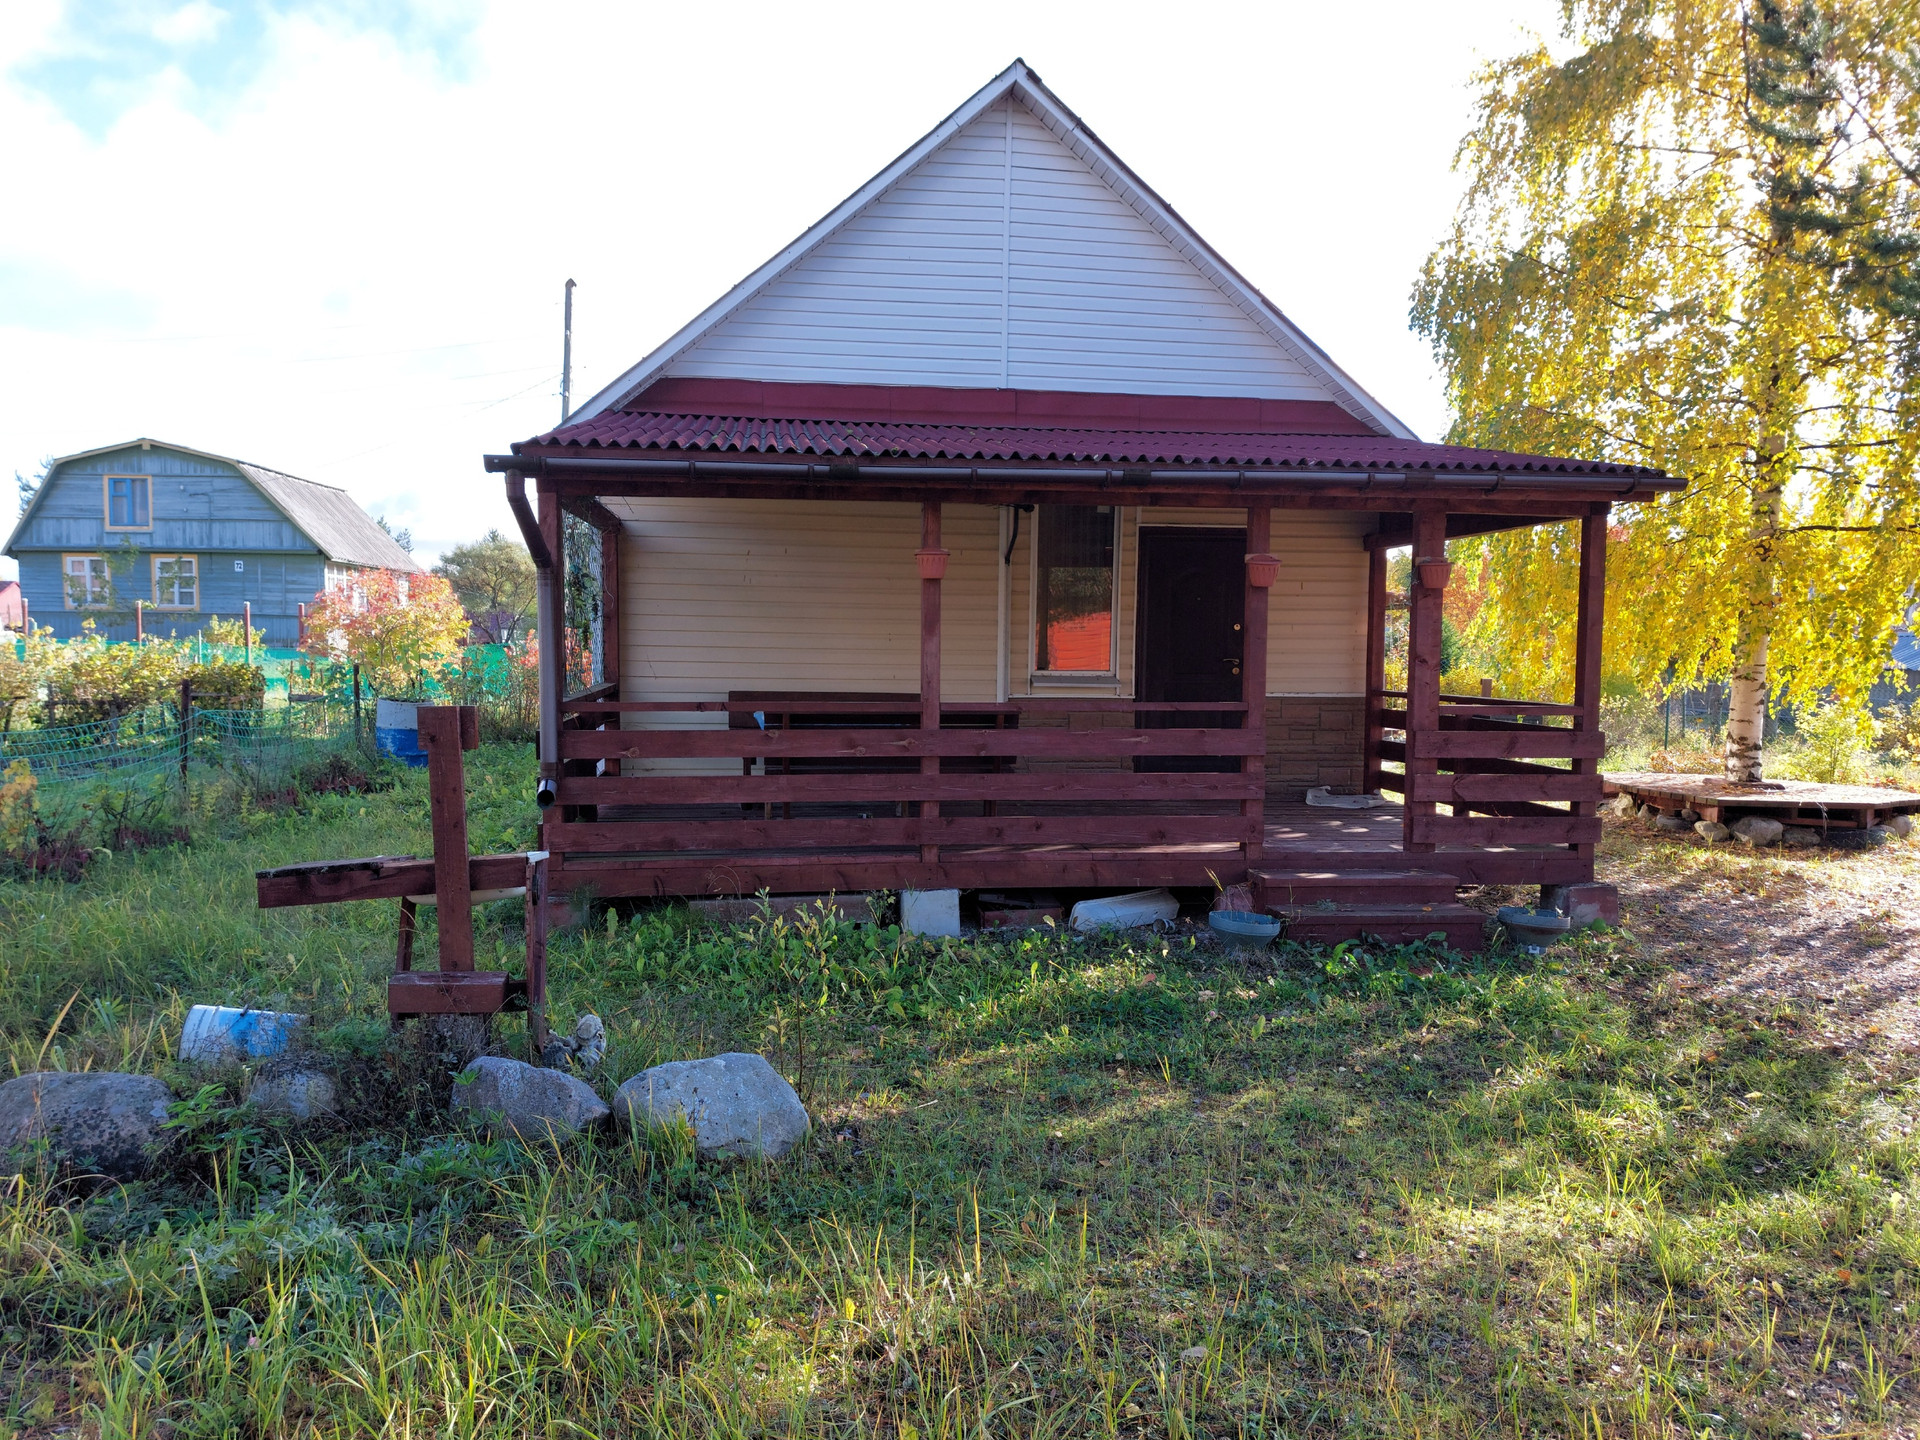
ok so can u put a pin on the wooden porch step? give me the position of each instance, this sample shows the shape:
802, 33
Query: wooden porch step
1465, 928
1393, 887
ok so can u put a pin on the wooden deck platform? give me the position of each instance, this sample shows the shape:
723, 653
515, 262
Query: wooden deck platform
1792, 802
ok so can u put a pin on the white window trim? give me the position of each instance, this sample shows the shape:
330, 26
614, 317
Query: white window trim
66, 590
155, 572
1037, 676
106, 504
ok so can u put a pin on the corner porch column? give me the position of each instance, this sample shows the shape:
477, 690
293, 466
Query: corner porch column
1588, 635
552, 631
1253, 682
1423, 670
930, 570
610, 626
1376, 671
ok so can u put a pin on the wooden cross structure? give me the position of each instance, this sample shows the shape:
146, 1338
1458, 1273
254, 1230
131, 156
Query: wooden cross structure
452, 880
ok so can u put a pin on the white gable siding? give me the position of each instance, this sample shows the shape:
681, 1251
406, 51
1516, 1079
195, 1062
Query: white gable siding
1002, 259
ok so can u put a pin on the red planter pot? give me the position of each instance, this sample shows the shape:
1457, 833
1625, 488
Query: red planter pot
1434, 574
933, 563
1261, 570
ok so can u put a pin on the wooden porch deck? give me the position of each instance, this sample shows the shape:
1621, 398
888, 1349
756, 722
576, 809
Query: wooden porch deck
1296, 837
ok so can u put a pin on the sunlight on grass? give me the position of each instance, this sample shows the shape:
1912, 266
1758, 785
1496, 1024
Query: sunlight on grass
1056, 1187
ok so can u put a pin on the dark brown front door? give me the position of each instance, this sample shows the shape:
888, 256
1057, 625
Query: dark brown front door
1191, 610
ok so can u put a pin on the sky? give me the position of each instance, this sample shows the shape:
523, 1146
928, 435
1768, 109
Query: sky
331, 236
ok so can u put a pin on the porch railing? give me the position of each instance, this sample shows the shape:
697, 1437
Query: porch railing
1042, 775
1488, 755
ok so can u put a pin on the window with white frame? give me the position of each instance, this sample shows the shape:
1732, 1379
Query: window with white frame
1073, 589
129, 502
176, 582
87, 583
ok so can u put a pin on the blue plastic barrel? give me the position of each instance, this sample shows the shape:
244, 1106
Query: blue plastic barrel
396, 730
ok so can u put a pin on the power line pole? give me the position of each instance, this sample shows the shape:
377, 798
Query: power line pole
566, 360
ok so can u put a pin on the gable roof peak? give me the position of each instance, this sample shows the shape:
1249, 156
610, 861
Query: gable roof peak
1257, 315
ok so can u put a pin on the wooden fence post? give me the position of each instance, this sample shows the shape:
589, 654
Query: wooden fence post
186, 726
356, 705
442, 737
246, 628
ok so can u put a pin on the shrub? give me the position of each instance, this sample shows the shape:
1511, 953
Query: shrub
226, 685
1833, 743
397, 629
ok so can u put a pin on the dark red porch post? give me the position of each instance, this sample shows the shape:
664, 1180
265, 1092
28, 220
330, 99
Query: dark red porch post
610, 625
553, 641
1376, 674
1588, 634
931, 561
1423, 669
1253, 681
610, 606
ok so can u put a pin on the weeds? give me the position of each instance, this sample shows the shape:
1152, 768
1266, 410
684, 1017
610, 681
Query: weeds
1056, 1187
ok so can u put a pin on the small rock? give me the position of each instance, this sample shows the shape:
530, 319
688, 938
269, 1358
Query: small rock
737, 1104
1690, 815
301, 1094
1669, 822
95, 1120
1801, 837
1649, 813
1757, 830
1901, 825
1712, 831
583, 1050
531, 1102
1625, 806
1194, 1353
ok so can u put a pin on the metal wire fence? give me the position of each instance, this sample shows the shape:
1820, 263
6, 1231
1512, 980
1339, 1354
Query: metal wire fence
155, 740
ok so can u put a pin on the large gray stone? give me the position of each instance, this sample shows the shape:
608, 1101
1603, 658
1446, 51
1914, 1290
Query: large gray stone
1802, 837
1757, 830
1901, 825
95, 1121
737, 1104
302, 1094
1712, 831
532, 1103
1670, 822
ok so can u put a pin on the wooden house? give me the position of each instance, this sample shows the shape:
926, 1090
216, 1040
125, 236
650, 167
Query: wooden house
187, 535
997, 533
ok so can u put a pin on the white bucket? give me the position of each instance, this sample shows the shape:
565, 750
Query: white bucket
215, 1034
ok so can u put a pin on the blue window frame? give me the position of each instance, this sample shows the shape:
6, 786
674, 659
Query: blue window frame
129, 502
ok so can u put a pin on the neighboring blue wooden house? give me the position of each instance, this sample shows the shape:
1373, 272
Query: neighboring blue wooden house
190, 534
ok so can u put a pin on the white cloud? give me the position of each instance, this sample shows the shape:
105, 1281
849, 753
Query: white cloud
195, 23
347, 263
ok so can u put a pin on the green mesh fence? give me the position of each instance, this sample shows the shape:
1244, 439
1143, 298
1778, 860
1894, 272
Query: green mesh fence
150, 742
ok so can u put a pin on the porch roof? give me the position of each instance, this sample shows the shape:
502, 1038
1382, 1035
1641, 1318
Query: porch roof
883, 439
878, 427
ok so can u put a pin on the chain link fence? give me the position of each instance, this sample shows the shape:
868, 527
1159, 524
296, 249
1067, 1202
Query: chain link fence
156, 740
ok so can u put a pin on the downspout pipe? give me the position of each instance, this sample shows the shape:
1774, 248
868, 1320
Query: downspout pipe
545, 628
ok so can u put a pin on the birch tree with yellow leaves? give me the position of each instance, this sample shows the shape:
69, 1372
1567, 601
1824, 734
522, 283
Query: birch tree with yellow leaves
1690, 238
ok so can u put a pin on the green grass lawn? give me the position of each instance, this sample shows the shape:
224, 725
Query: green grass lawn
1125, 1187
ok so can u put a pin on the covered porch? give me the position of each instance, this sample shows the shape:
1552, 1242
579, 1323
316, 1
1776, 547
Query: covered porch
832, 790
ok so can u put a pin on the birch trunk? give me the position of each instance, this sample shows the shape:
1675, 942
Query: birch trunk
1747, 703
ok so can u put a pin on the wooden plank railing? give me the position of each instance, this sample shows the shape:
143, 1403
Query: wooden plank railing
1490, 774
839, 765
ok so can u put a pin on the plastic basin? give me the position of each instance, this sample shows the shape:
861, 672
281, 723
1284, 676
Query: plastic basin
1247, 929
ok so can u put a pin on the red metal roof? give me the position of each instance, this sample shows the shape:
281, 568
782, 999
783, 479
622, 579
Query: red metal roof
882, 439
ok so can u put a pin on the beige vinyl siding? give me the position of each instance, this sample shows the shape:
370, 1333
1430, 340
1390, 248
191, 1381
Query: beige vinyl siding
720, 595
